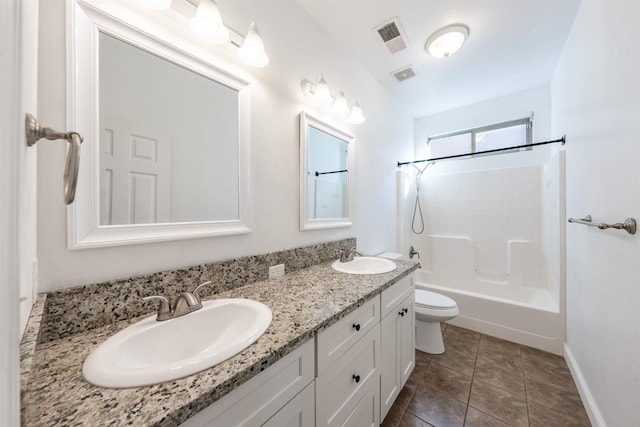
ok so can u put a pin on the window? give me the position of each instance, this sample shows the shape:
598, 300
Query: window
498, 136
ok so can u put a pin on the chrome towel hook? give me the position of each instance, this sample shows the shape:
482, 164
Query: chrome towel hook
34, 132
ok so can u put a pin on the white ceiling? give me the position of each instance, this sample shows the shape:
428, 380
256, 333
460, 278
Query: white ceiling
513, 45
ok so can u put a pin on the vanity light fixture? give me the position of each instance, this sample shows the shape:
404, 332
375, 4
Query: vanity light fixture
447, 40
157, 4
355, 116
320, 93
252, 50
207, 23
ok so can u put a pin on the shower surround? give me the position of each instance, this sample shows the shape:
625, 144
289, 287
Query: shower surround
493, 242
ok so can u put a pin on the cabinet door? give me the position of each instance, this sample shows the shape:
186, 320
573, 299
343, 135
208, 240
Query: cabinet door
389, 372
299, 412
407, 340
397, 352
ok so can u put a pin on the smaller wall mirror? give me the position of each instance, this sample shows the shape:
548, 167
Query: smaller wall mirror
326, 175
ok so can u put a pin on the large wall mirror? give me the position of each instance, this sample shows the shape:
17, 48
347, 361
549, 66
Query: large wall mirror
167, 156
326, 175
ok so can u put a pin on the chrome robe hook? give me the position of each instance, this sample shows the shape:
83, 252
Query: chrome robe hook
34, 132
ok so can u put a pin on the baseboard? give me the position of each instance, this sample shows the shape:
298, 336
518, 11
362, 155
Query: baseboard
585, 394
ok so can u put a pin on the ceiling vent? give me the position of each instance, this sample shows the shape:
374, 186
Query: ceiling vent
404, 73
392, 35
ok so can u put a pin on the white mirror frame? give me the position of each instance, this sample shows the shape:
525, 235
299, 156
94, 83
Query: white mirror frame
307, 120
165, 34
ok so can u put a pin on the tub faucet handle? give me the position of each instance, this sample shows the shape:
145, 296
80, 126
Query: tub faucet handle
413, 252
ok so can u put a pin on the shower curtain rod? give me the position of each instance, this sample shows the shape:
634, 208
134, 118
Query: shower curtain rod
435, 159
327, 173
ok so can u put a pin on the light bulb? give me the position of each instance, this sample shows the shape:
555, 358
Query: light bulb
207, 23
340, 105
252, 50
321, 92
355, 116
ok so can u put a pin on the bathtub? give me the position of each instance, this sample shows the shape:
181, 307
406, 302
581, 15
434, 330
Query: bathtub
531, 317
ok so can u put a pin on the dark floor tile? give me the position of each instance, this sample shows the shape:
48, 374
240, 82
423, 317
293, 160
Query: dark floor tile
501, 376
566, 402
462, 362
541, 416
410, 420
492, 346
460, 343
422, 357
530, 353
393, 417
557, 373
499, 404
476, 418
462, 333
405, 395
437, 409
418, 373
515, 365
446, 381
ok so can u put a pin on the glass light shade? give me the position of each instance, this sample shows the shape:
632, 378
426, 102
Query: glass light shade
340, 105
157, 4
252, 50
355, 116
447, 41
321, 92
207, 23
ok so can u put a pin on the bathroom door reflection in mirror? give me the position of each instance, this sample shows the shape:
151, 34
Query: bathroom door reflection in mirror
168, 140
325, 157
166, 131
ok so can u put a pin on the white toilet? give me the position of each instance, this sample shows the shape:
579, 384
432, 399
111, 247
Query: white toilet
431, 309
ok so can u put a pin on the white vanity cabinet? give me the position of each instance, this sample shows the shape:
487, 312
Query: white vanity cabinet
360, 364
345, 389
397, 341
282, 390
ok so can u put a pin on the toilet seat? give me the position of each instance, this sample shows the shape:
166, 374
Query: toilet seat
433, 300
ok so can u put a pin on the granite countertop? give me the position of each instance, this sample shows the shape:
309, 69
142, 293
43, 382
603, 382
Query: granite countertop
303, 303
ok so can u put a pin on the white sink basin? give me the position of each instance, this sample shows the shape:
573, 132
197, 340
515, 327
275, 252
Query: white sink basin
152, 352
364, 265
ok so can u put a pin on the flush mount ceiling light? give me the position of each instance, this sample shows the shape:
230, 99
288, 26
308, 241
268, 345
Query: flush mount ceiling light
252, 50
207, 23
447, 41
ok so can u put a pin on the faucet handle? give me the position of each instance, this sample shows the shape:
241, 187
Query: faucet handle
164, 311
195, 291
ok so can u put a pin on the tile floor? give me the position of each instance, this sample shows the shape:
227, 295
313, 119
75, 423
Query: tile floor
485, 381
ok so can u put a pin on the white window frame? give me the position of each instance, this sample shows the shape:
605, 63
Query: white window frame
528, 121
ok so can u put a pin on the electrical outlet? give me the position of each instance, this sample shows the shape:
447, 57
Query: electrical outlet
276, 271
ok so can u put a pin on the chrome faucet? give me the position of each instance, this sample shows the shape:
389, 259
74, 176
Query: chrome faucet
186, 303
347, 255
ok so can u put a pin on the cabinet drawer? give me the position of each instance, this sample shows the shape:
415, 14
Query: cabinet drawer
337, 339
257, 400
366, 411
300, 412
342, 385
394, 295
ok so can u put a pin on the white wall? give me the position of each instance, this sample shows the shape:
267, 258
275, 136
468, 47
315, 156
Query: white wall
298, 48
18, 85
596, 101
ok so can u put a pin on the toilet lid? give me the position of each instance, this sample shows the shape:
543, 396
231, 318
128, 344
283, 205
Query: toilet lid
433, 300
